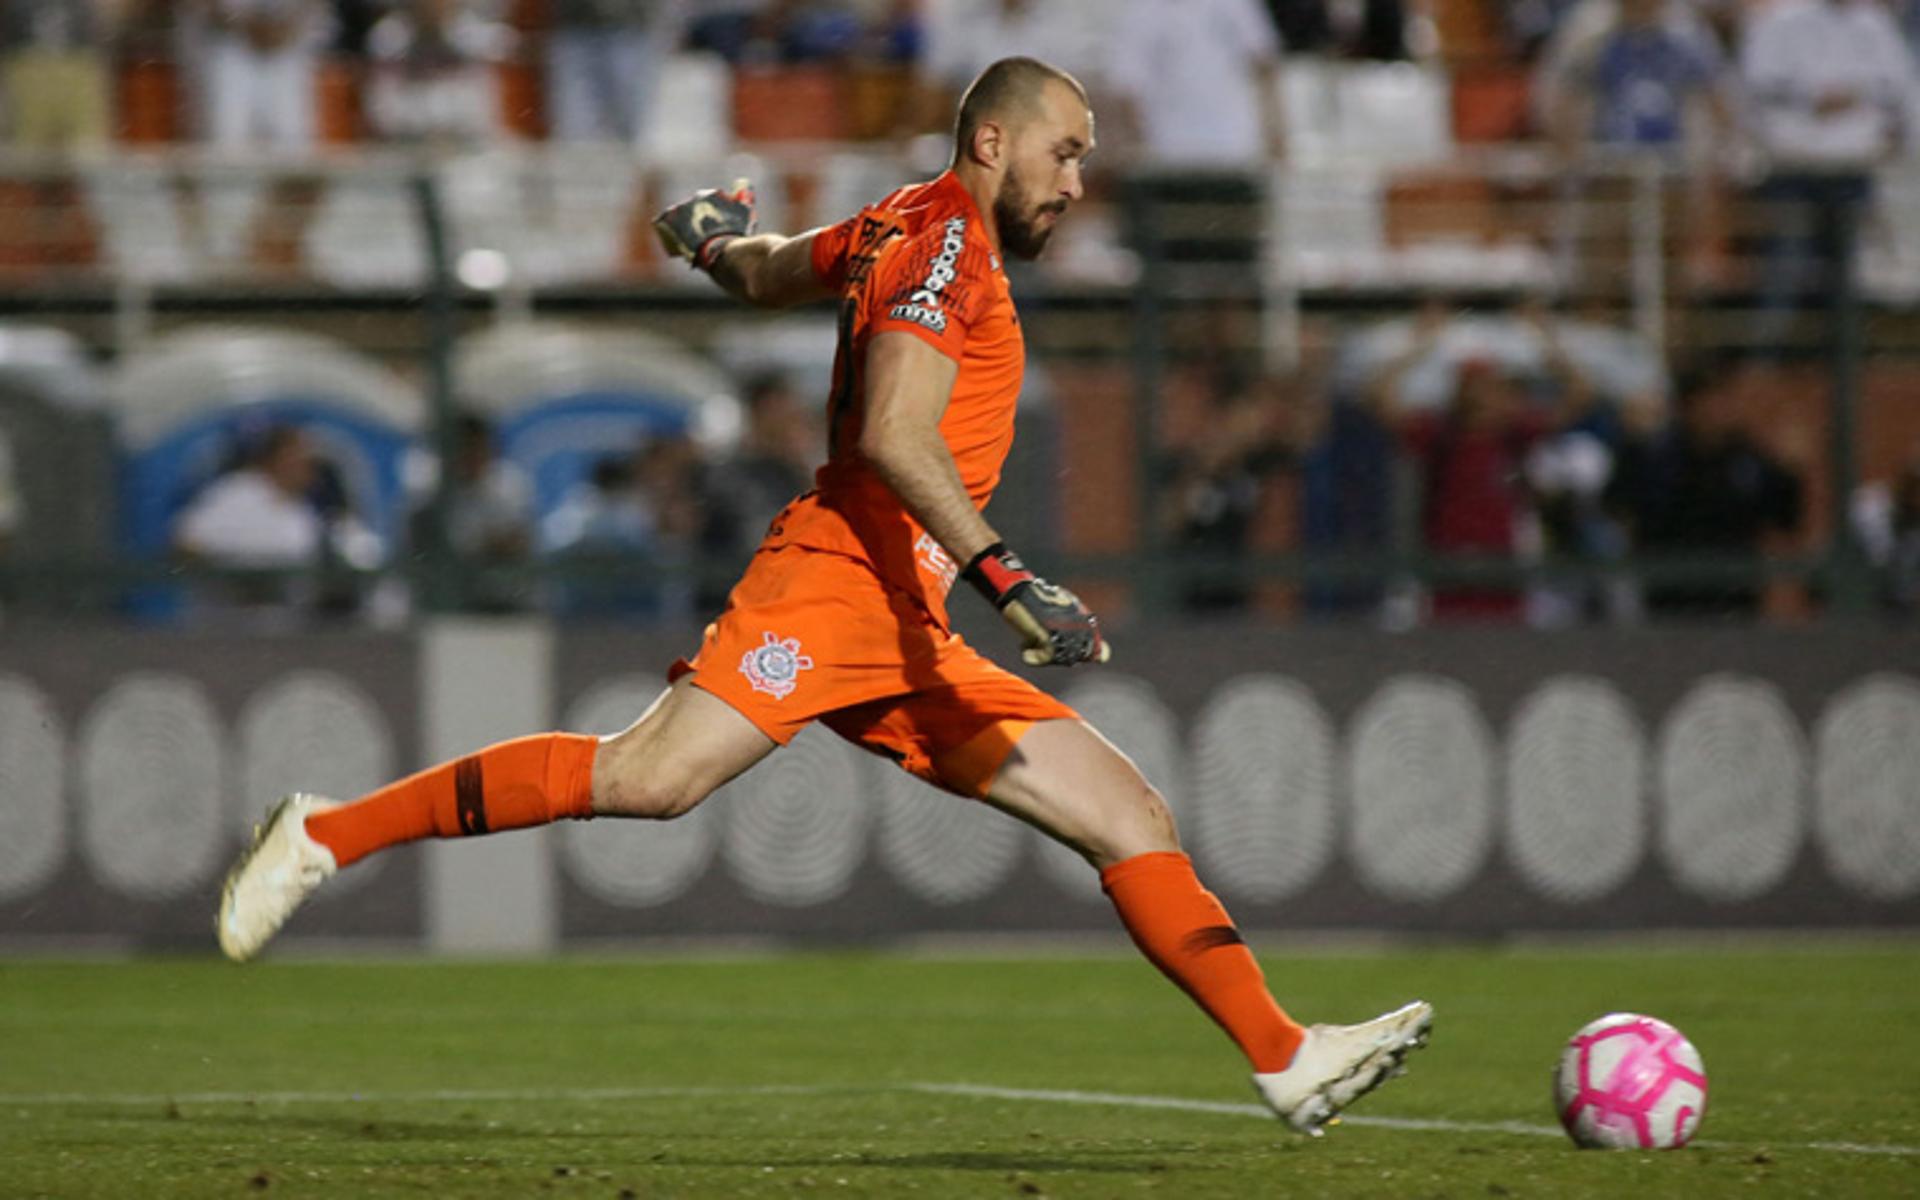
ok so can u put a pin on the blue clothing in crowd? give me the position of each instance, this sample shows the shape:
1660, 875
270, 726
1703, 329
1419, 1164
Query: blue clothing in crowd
1643, 79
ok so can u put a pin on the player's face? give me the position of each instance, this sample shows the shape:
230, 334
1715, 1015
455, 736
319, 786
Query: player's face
1043, 174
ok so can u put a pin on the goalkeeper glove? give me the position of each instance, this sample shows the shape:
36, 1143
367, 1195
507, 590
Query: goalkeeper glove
1057, 628
700, 226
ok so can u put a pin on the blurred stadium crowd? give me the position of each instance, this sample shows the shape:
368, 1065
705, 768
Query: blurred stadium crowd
1504, 405
1828, 82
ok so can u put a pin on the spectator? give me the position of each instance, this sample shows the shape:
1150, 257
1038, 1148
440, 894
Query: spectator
1472, 454
778, 31
603, 513
1835, 93
896, 36
1217, 481
1197, 90
1566, 477
1566, 471
1474, 498
433, 77
353, 22
640, 509
1637, 74
1347, 484
603, 62
1374, 30
964, 36
1532, 24
1886, 520
1703, 485
260, 514
1198, 81
276, 511
668, 471
489, 515
1634, 77
773, 464
255, 63
813, 30
54, 60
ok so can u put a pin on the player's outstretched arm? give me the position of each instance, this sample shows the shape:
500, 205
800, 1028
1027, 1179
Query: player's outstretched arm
713, 231
908, 384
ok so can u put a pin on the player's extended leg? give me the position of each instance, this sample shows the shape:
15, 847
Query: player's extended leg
1075, 785
686, 744
1072, 783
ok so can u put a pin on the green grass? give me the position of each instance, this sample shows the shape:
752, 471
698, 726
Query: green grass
194, 1078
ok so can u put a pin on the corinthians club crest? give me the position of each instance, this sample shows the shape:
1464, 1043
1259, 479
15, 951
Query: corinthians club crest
774, 666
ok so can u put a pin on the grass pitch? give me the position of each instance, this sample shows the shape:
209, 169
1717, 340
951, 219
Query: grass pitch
829, 1074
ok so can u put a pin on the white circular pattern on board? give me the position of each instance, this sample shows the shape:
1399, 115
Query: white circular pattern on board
152, 817
635, 864
797, 822
33, 788
1867, 786
1128, 712
313, 731
1421, 765
946, 849
1263, 780
1576, 767
1733, 769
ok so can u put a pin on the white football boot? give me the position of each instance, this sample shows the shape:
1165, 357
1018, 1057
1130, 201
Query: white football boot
277, 872
1338, 1064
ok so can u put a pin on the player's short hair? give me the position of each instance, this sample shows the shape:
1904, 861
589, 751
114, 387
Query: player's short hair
1007, 86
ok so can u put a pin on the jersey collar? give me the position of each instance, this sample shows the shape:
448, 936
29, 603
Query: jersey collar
947, 187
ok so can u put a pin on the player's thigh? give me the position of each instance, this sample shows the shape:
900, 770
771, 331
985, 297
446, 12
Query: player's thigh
685, 745
1075, 785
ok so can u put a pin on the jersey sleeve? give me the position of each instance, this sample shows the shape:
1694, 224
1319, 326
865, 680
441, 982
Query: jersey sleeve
832, 247
933, 286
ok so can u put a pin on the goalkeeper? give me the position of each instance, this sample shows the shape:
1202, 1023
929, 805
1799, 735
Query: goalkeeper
841, 617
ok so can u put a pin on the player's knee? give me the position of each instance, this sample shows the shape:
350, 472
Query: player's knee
627, 782
656, 797
1153, 820
1137, 823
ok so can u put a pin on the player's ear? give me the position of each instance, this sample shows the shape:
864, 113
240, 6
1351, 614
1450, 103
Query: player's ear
989, 143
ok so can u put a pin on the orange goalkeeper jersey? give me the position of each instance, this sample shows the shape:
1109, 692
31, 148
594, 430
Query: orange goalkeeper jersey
917, 262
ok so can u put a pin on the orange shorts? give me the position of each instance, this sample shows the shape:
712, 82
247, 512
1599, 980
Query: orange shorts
810, 635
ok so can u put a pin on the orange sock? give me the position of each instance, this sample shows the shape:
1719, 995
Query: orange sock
1182, 929
508, 785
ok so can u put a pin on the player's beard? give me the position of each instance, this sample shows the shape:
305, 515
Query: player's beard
1021, 234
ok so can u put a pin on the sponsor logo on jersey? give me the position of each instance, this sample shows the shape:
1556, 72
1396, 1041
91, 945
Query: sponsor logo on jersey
919, 314
935, 560
923, 305
941, 271
774, 666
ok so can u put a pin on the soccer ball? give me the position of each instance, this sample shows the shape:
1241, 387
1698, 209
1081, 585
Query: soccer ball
1628, 1082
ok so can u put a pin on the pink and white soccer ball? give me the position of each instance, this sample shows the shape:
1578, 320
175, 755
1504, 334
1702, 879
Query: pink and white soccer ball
1628, 1082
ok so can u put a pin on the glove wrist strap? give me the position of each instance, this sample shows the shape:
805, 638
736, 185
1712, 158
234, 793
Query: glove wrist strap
996, 571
